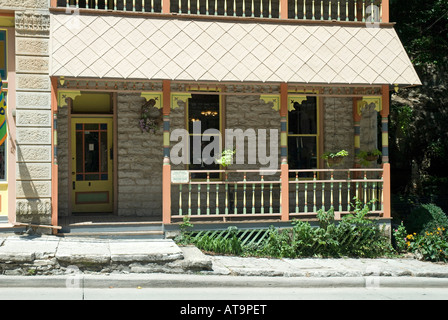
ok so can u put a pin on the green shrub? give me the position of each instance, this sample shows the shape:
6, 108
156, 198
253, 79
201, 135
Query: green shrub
354, 236
228, 243
399, 235
426, 218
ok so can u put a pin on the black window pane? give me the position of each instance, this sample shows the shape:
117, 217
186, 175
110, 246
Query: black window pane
203, 109
303, 118
302, 153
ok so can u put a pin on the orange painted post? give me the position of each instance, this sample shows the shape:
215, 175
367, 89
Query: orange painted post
53, 3
385, 123
166, 174
284, 152
283, 9
166, 6
54, 160
385, 8
386, 191
166, 178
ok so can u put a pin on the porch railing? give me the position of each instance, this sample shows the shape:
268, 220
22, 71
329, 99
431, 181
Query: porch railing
220, 193
324, 10
339, 189
253, 194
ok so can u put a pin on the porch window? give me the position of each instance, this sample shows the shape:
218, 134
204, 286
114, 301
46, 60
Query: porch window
4, 77
303, 135
3, 53
3, 161
203, 114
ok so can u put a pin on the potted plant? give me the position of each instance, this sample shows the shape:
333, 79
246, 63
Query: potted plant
226, 158
365, 157
334, 158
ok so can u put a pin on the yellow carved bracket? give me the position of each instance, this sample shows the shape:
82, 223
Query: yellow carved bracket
367, 100
63, 95
179, 97
275, 99
293, 99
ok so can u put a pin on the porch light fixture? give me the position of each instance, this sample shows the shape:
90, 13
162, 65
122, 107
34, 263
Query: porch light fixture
209, 113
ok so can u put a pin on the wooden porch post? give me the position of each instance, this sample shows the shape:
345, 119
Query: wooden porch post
385, 123
385, 9
166, 6
54, 161
283, 9
357, 127
385, 151
386, 191
284, 152
166, 172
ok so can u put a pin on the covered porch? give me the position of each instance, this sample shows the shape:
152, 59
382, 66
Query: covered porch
314, 88
149, 187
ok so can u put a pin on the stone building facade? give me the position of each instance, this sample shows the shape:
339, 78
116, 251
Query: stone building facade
260, 72
29, 121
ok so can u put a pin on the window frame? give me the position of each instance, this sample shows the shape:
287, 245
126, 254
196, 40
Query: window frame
318, 135
221, 114
5, 89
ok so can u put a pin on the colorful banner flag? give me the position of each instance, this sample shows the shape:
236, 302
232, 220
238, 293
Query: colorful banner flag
3, 113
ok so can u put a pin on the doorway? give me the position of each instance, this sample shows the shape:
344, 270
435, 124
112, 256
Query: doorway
92, 165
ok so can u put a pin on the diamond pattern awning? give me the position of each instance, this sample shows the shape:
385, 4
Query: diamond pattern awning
203, 50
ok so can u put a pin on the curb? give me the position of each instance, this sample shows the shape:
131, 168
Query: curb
157, 280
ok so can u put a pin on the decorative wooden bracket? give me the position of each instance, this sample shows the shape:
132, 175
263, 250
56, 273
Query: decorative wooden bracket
275, 99
367, 100
63, 95
293, 99
156, 96
179, 97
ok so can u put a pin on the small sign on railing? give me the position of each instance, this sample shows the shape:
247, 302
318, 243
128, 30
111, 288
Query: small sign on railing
180, 176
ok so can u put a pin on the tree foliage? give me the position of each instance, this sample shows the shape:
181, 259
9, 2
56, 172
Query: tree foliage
419, 115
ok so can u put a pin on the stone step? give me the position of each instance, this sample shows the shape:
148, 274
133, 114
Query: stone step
141, 230
20, 255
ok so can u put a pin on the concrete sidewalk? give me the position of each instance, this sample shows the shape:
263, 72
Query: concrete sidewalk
50, 257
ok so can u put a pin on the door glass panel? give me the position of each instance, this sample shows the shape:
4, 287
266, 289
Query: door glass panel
103, 151
79, 156
91, 152
91, 126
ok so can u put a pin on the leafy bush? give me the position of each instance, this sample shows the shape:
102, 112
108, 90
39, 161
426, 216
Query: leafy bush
400, 237
426, 218
354, 236
227, 243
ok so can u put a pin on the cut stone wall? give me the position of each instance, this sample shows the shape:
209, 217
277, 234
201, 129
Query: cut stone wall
338, 128
33, 116
140, 159
63, 159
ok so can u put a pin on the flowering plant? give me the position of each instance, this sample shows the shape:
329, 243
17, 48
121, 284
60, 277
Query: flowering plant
431, 245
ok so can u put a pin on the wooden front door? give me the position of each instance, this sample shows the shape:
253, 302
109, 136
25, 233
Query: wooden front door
92, 165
